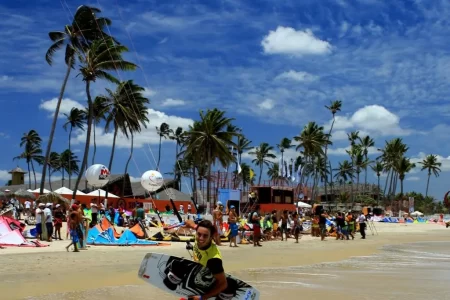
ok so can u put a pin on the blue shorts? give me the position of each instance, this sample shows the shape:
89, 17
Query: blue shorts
233, 230
74, 236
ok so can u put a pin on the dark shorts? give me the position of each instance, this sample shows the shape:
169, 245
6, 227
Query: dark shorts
49, 229
38, 228
256, 230
323, 228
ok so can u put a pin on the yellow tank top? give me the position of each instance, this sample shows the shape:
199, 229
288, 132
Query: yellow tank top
202, 256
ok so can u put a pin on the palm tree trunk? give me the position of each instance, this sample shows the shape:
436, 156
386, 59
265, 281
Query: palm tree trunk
128, 161
29, 175
88, 139
208, 180
50, 178
95, 146
62, 179
53, 128
401, 188
428, 184
159, 152
113, 148
260, 173
70, 158
326, 158
34, 174
331, 180
194, 184
379, 189
365, 176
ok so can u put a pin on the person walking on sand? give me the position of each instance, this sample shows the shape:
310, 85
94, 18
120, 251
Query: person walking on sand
48, 215
362, 225
218, 222
284, 224
323, 224
232, 219
73, 225
297, 226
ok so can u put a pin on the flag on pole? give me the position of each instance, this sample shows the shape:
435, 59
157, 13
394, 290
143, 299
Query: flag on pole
252, 174
239, 169
280, 168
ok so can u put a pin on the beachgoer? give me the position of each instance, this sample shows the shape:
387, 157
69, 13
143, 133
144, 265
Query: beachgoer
350, 225
284, 224
74, 226
232, 219
27, 211
208, 255
39, 213
189, 209
362, 225
340, 224
323, 224
94, 214
297, 226
218, 222
255, 220
48, 220
58, 221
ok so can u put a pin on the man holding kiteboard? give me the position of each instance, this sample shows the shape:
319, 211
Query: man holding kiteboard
208, 255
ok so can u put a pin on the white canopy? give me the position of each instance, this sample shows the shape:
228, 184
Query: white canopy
39, 190
303, 204
65, 191
30, 190
101, 193
417, 213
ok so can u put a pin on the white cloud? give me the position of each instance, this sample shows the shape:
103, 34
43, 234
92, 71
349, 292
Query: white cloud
66, 105
374, 120
4, 175
5, 78
287, 40
169, 102
297, 76
148, 92
343, 151
147, 136
445, 161
267, 104
412, 178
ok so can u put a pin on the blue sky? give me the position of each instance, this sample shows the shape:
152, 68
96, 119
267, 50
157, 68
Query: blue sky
272, 65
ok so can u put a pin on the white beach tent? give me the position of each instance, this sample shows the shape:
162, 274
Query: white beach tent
39, 190
303, 204
417, 213
65, 191
101, 193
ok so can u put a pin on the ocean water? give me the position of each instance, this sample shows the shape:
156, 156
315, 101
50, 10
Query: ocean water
415, 271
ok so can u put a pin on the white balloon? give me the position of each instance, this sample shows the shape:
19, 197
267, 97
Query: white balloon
152, 180
97, 175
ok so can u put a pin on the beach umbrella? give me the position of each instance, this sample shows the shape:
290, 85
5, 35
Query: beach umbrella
39, 190
21, 193
303, 204
417, 213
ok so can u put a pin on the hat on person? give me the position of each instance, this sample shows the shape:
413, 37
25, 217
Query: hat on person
74, 207
58, 205
232, 206
219, 203
41, 204
48, 204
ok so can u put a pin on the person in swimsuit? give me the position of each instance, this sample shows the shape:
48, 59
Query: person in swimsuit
284, 224
232, 221
218, 222
297, 226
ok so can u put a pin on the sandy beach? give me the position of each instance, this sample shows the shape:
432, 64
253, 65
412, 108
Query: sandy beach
109, 272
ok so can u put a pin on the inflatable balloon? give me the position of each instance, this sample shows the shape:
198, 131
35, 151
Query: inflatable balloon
152, 180
97, 175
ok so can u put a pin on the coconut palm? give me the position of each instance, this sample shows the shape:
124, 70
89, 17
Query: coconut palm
31, 141
284, 144
402, 167
68, 163
274, 174
163, 131
208, 141
54, 165
100, 110
242, 145
366, 142
102, 56
392, 152
75, 119
378, 169
334, 107
431, 164
86, 27
263, 155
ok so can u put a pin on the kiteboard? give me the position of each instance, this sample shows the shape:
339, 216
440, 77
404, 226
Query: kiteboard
186, 278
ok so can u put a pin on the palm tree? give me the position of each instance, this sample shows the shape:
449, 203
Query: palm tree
79, 35
54, 165
163, 131
392, 152
100, 109
68, 163
274, 174
334, 107
32, 152
208, 141
75, 119
102, 56
403, 166
242, 145
284, 144
366, 142
431, 164
344, 172
378, 169
262, 155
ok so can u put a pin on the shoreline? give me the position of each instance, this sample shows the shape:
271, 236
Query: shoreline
50, 270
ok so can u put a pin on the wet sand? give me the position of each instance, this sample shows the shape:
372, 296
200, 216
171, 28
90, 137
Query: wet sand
110, 272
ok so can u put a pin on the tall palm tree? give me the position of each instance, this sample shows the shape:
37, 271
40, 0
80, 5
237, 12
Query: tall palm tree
366, 142
378, 169
100, 110
54, 165
344, 172
392, 152
31, 141
274, 174
102, 56
178, 136
242, 145
431, 164
403, 166
334, 107
75, 119
68, 163
262, 155
163, 131
209, 139
86, 27
284, 144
